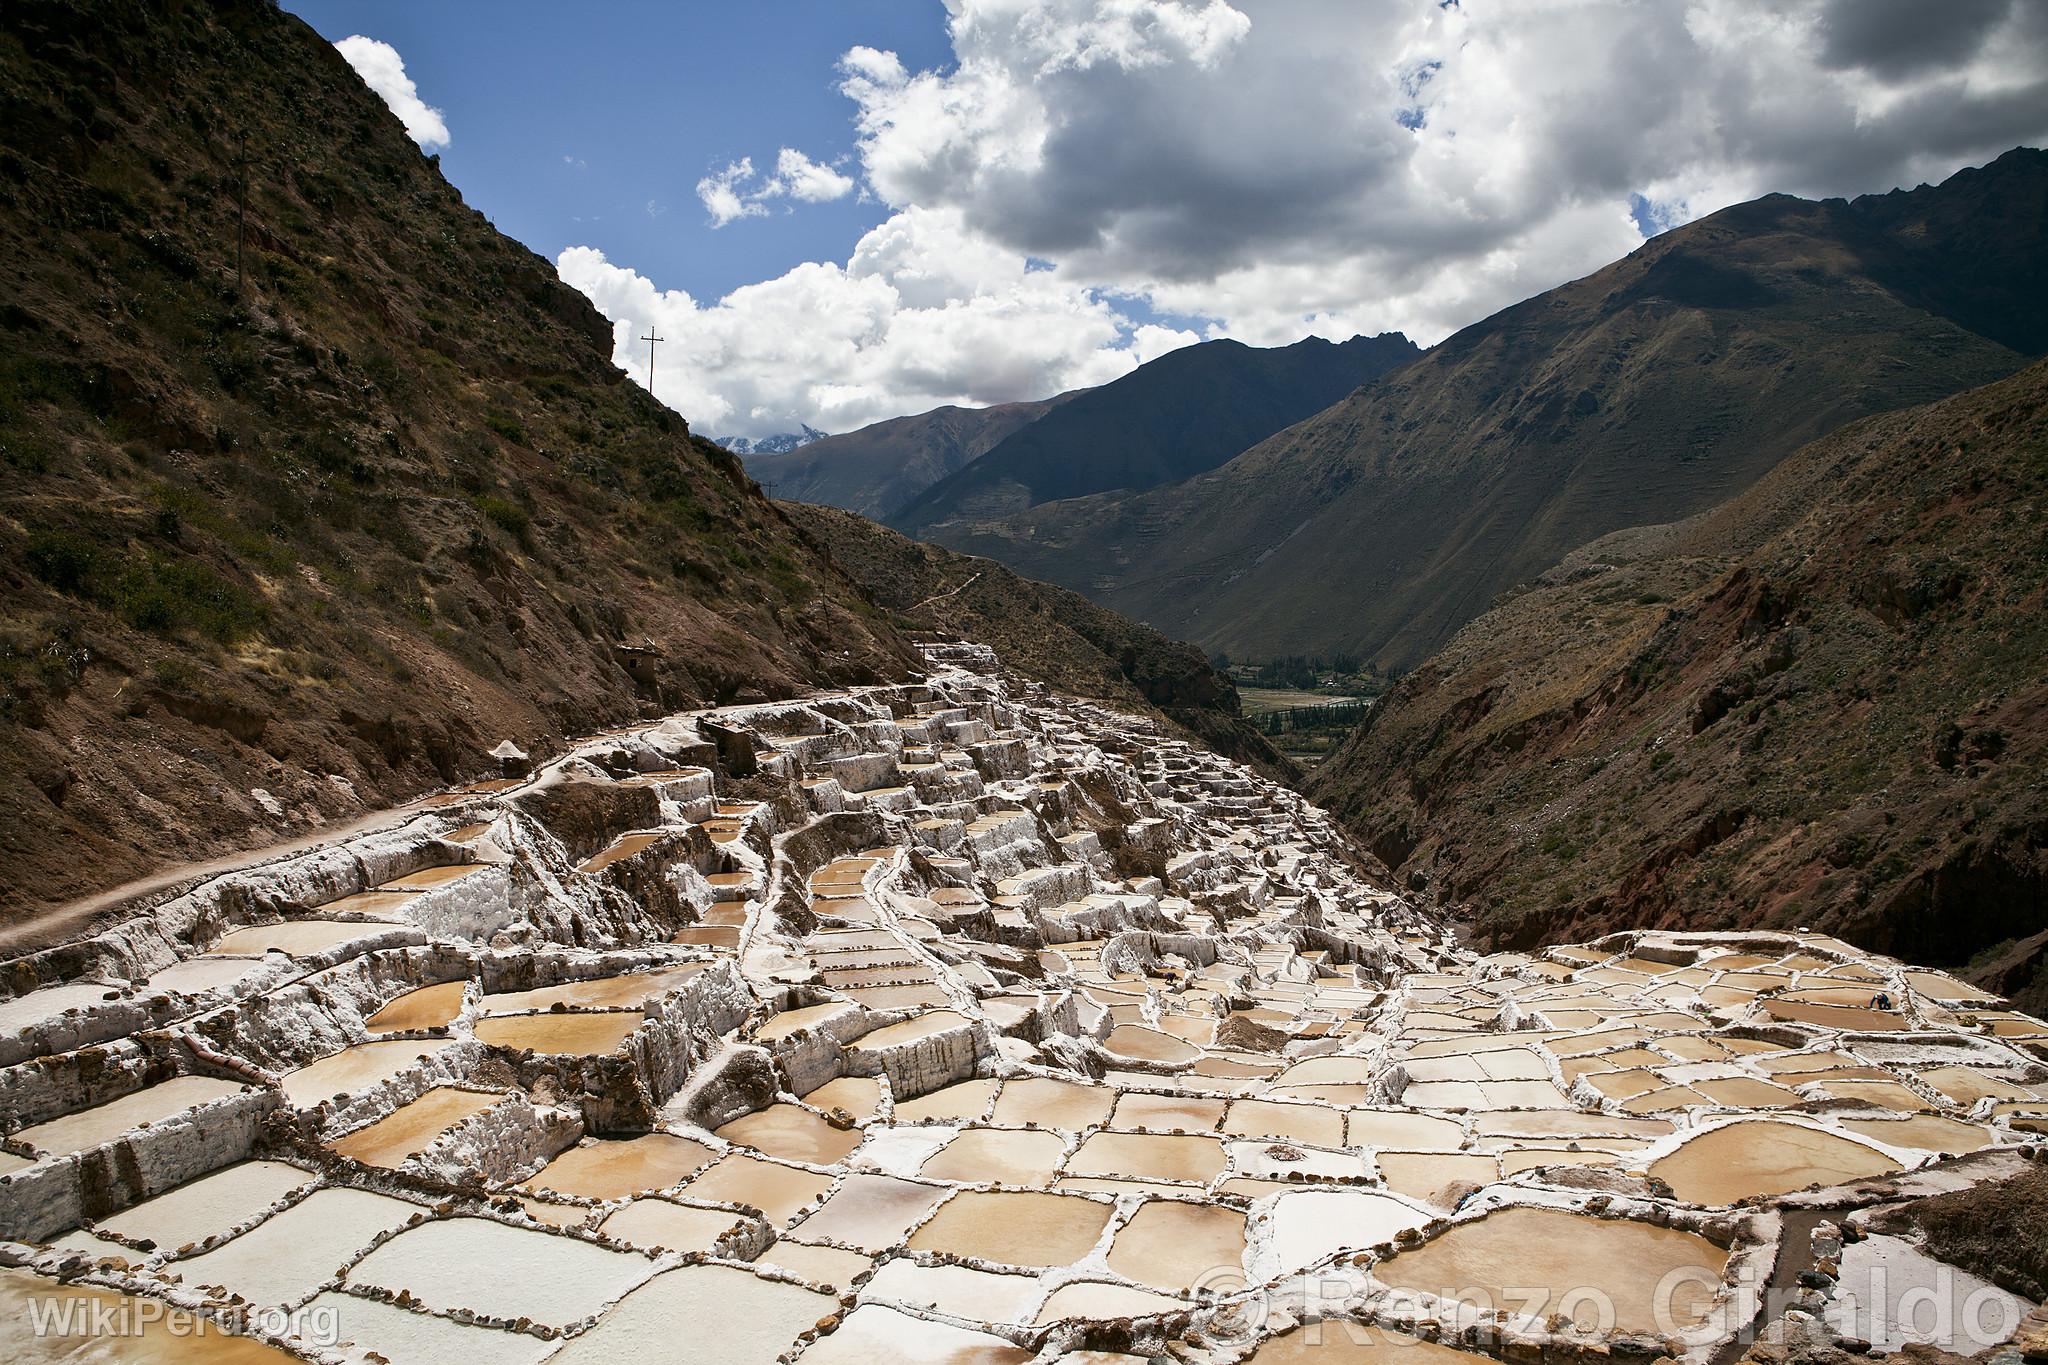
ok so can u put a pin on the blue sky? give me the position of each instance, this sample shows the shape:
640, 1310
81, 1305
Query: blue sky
567, 121
990, 200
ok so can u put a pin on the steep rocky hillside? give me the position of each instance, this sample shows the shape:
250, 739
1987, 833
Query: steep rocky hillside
1824, 703
1171, 418
1651, 390
1057, 636
305, 507
879, 468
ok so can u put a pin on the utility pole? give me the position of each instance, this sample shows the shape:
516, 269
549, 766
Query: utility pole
650, 339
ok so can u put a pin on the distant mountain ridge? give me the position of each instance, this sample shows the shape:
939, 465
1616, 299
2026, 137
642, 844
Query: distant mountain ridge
779, 444
1823, 702
1175, 416
1647, 391
880, 467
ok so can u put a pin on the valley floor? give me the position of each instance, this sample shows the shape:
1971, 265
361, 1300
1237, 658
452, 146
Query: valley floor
964, 1021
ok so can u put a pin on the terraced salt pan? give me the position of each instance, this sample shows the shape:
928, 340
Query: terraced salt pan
1100, 1299
999, 1156
197, 975
427, 878
727, 1314
356, 1068
792, 1133
1052, 1104
1149, 1045
651, 1223
1762, 1156
105, 1122
817, 1264
1309, 1225
870, 1212
957, 1291
1924, 1132
294, 938
1157, 1156
625, 992
615, 1168
426, 1008
621, 848
412, 1128
490, 1267
1164, 1113
1535, 1261
874, 1333
910, 1030
1398, 1128
290, 1254
1015, 1227
40, 1006
1436, 1177
571, 1035
208, 1206
1311, 1124
1175, 1246
403, 1334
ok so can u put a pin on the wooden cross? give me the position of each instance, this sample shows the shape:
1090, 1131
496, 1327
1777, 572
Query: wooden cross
650, 339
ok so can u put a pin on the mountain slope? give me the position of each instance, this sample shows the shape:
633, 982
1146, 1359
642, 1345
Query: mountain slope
1049, 633
1186, 412
1822, 703
1648, 391
880, 467
306, 519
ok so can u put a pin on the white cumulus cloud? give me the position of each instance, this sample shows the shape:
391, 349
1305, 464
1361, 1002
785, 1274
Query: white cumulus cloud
922, 313
383, 70
802, 178
737, 192
1274, 168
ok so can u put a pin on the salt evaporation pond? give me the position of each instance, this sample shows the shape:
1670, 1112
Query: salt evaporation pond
289, 1255
1500, 1260
998, 1156
792, 1133
615, 1168
572, 1035
730, 1315
490, 1267
1174, 1246
356, 1068
426, 1008
1015, 1227
209, 1205
412, 1128
103, 1123
1761, 1156
778, 1191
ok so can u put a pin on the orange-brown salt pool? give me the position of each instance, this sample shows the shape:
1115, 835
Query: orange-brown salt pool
1763, 1156
571, 1035
1499, 1260
1015, 1227
412, 1127
611, 1169
792, 1133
